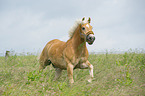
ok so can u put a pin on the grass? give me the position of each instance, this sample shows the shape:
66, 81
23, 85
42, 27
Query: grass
114, 75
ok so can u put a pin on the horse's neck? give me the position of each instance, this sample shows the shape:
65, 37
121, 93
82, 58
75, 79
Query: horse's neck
79, 44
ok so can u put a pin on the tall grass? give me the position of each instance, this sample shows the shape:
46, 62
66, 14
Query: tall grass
114, 75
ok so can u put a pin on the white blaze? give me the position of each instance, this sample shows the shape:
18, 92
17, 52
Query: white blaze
87, 25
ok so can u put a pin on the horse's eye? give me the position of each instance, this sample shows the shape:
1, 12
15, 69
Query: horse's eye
83, 28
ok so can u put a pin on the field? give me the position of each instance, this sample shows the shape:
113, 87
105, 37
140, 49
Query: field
114, 75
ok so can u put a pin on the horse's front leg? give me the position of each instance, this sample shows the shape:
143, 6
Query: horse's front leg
86, 66
70, 72
90, 71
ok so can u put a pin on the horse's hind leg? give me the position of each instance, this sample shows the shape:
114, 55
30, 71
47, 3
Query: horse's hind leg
57, 73
41, 66
44, 63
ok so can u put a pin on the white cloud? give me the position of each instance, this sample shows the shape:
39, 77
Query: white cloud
30, 25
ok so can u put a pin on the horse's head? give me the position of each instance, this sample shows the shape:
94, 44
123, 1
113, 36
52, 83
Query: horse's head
86, 31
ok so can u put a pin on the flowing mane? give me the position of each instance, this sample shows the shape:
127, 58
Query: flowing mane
74, 27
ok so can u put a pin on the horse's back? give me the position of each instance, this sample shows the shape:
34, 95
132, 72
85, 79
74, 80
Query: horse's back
54, 46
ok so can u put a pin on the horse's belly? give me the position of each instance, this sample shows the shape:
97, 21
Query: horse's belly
59, 63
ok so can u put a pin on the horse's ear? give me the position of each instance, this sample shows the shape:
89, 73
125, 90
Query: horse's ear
89, 20
83, 19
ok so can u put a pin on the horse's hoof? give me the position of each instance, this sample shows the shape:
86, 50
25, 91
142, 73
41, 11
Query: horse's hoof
90, 80
71, 81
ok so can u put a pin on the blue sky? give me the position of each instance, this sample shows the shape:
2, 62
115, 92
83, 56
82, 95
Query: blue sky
27, 25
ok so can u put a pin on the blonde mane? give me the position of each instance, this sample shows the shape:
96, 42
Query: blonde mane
74, 27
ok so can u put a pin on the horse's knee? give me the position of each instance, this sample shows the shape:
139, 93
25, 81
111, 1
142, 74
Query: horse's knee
83, 66
42, 65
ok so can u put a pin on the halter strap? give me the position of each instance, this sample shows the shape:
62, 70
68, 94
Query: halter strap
90, 32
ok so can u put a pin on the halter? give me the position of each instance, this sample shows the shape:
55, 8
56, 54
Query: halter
90, 32
85, 35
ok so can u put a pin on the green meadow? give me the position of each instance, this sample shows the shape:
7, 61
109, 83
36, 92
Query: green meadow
114, 75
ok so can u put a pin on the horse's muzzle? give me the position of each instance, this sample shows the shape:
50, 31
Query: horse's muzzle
90, 39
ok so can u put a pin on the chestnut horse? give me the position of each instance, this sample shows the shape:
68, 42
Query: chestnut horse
71, 54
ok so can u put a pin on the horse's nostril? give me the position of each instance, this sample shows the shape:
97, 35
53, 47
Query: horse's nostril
90, 38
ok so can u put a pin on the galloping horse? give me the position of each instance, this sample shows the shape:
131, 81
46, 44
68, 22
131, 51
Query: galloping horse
71, 54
